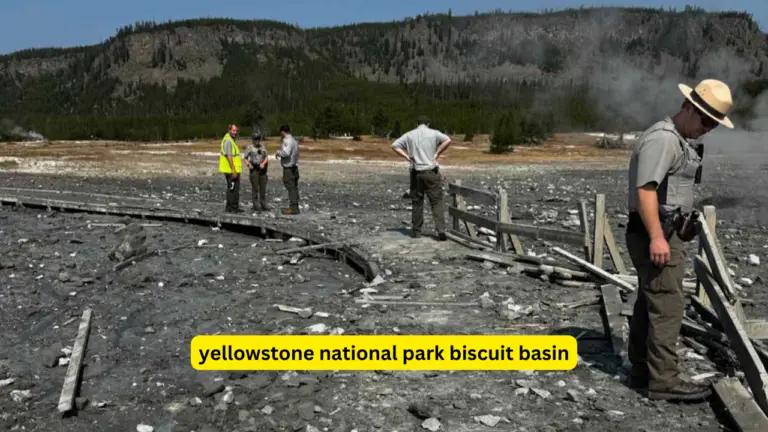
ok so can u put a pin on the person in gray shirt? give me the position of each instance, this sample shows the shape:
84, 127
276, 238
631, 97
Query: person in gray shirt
422, 147
256, 159
663, 170
289, 159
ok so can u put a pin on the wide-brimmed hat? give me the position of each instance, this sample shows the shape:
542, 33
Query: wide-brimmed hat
713, 98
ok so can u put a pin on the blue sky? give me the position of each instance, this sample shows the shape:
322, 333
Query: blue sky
45, 23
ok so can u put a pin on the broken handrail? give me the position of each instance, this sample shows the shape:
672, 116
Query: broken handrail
349, 255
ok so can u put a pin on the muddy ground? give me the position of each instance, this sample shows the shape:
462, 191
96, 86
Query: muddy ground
137, 363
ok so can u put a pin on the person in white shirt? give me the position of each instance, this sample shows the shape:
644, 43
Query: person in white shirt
422, 147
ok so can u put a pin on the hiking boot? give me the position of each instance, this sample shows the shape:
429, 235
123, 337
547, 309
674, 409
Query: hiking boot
290, 211
415, 234
684, 391
442, 237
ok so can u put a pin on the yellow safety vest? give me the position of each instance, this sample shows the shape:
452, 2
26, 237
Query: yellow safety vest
236, 159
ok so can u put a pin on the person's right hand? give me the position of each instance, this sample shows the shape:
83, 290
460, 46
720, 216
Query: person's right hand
235, 175
659, 249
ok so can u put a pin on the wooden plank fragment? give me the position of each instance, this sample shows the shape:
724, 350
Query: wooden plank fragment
753, 368
414, 303
715, 260
460, 237
613, 249
584, 221
596, 270
475, 195
740, 406
597, 252
549, 234
72, 379
612, 319
711, 217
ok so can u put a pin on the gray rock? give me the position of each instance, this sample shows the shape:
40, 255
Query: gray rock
306, 410
211, 387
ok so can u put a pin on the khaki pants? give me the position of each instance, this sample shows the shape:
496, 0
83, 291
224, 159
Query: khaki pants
259, 188
658, 313
431, 184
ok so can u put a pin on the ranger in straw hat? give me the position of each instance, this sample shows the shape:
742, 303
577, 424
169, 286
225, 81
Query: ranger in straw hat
662, 172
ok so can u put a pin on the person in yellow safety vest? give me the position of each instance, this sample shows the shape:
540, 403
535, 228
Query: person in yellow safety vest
231, 165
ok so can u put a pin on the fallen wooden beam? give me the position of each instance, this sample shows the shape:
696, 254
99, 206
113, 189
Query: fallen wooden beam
753, 368
414, 303
613, 322
757, 329
739, 405
596, 270
72, 379
468, 241
549, 234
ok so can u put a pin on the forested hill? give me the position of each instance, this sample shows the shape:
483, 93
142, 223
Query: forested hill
588, 68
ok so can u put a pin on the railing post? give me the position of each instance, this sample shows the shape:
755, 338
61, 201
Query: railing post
502, 215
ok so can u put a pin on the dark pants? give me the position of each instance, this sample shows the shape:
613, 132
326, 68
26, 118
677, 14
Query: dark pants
658, 313
291, 182
431, 184
233, 192
259, 179
412, 172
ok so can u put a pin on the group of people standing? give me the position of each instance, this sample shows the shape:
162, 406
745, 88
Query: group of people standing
421, 146
664, 167
257, 161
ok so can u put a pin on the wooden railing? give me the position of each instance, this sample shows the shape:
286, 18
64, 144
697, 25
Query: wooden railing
500, 225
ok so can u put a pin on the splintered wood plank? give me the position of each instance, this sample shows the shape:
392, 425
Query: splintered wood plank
613, 248
584, 222
612, 319
71, 381
753, 368
596, 270
628, 309
740, 406
597, 252
710, 216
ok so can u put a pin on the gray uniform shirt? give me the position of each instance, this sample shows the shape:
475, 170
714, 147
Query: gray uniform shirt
421, 145
289, 152
228, 147
255, 155
661, 151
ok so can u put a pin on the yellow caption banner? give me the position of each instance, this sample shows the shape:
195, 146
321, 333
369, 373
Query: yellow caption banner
398, 352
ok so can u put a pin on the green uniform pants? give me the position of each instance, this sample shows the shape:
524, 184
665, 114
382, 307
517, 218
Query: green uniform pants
658, 312
429, 183
259, 179
291, 182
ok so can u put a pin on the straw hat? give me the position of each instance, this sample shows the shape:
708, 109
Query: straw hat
712, 97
